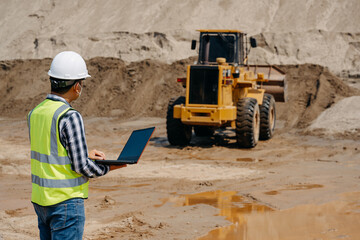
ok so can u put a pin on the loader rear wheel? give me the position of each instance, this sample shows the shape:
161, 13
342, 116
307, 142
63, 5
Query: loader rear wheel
178, 133
267, 117
247, 122
203, 131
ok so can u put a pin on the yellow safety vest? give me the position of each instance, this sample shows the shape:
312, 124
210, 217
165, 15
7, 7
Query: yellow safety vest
53, 180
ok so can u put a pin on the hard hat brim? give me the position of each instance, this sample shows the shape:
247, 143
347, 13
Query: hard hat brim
68, 78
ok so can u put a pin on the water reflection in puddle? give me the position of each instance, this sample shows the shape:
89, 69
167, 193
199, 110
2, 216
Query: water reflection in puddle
233, 207
254, 221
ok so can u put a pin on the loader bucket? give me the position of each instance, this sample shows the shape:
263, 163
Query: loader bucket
276, 81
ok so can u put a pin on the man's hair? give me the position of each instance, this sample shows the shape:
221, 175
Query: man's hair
62, 86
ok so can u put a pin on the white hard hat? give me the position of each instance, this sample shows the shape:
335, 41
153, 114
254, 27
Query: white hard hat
68, 65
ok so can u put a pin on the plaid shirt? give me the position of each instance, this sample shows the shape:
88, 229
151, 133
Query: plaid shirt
72, 137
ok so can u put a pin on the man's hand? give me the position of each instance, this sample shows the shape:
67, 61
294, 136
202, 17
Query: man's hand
96, 155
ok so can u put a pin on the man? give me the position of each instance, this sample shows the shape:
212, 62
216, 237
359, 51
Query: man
60, 162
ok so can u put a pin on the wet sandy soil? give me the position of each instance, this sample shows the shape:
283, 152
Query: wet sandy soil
291, 187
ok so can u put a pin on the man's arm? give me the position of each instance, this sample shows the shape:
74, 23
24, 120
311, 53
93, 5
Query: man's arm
72, 136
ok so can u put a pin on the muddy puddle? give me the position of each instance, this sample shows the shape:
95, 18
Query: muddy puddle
252, 220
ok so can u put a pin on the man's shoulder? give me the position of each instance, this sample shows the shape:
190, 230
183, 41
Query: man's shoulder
70, 117
72, 113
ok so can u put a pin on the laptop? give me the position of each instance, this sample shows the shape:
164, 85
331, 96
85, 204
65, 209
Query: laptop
133, 149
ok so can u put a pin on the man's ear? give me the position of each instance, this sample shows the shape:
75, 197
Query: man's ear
76, 85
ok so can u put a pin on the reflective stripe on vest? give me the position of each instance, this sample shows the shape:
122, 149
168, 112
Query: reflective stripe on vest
50, 159
54, 183
53, 179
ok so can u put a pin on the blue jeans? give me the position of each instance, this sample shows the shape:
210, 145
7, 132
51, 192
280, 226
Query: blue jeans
64, 220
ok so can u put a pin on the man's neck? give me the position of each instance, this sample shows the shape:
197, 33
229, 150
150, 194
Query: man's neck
64, 96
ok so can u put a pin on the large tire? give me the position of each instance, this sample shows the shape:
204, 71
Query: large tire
178, 133
247, 122
203, 131
267, 117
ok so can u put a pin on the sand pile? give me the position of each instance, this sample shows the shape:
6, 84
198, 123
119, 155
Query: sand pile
340, 120
311, 89
293, 32
144, 89
339, 51
115, 89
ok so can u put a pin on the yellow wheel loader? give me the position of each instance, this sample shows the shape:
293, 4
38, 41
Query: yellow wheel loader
222, 90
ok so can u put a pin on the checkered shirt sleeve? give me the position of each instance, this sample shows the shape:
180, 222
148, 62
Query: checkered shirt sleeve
72, 136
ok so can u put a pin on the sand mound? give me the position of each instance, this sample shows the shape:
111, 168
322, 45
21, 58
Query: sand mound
311, 89
144, 89
294, 32
115, 89
339, 51
340, 120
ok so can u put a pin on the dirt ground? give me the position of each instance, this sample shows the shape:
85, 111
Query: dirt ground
302, 184
290, 187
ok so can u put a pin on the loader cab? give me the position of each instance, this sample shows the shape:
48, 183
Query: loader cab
221, 44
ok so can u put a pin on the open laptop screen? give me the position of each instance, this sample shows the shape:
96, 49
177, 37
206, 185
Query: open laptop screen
136, 144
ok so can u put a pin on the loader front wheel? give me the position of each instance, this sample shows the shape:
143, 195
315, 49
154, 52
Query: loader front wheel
267, 117
178, 133
247, 122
